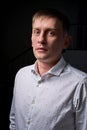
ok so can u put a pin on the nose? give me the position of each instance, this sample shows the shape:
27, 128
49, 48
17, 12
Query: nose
42, 38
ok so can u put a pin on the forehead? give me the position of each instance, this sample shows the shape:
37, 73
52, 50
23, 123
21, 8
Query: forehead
47, 21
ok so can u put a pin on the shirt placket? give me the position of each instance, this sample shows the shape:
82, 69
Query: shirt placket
34, 103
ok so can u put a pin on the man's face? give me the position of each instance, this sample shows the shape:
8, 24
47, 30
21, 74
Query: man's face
48, 39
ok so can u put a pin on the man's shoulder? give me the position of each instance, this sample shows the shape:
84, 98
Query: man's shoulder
24, 70
77, 73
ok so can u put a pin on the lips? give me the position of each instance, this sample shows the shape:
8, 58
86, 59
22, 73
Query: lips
41, 49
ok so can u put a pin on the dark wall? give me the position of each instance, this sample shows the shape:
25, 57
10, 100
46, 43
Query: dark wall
77, 58
16, 43
17, 23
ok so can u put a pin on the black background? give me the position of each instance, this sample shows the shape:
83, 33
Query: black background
16, 49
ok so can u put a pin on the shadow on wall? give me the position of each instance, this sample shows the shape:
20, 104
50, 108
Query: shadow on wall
77, 58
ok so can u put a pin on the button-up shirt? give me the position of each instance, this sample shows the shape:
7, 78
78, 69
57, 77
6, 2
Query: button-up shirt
55, 101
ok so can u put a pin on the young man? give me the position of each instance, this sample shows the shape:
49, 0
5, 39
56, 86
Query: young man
50, 94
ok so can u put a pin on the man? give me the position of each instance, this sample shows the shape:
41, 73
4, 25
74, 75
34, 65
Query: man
50, 94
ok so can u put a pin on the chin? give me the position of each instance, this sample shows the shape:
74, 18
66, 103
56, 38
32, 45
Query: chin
41, 57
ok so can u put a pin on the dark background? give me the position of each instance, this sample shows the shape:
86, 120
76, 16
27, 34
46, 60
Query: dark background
16, 50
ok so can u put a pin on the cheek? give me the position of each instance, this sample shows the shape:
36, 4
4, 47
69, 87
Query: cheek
31, 43
32, 40
57, 46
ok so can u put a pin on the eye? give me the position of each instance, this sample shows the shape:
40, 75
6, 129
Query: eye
51, 33
36, 32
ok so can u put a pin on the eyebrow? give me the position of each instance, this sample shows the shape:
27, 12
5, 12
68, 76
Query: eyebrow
56, 29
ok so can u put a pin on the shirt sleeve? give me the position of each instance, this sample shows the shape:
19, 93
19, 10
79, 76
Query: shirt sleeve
80, 105
12, 117
12, 124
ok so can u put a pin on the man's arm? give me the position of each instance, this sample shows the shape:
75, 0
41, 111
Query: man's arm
12, 117
81, 106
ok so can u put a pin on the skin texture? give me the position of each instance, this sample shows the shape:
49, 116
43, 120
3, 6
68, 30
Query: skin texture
48, 41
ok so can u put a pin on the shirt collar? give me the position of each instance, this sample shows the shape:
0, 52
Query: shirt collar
58, 68
55, 70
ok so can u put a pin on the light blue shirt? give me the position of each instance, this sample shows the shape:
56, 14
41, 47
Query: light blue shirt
55, 101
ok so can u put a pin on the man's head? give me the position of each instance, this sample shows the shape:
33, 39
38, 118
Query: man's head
50, 34
49, 12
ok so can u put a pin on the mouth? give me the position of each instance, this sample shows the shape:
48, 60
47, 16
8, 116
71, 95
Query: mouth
41, 49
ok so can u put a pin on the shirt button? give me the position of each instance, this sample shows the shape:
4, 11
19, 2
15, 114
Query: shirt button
39, 81
28, 122
33, 101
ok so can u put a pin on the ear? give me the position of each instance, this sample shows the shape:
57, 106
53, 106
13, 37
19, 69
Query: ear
67, 41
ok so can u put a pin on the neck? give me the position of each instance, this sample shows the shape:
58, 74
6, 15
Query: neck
43, 67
